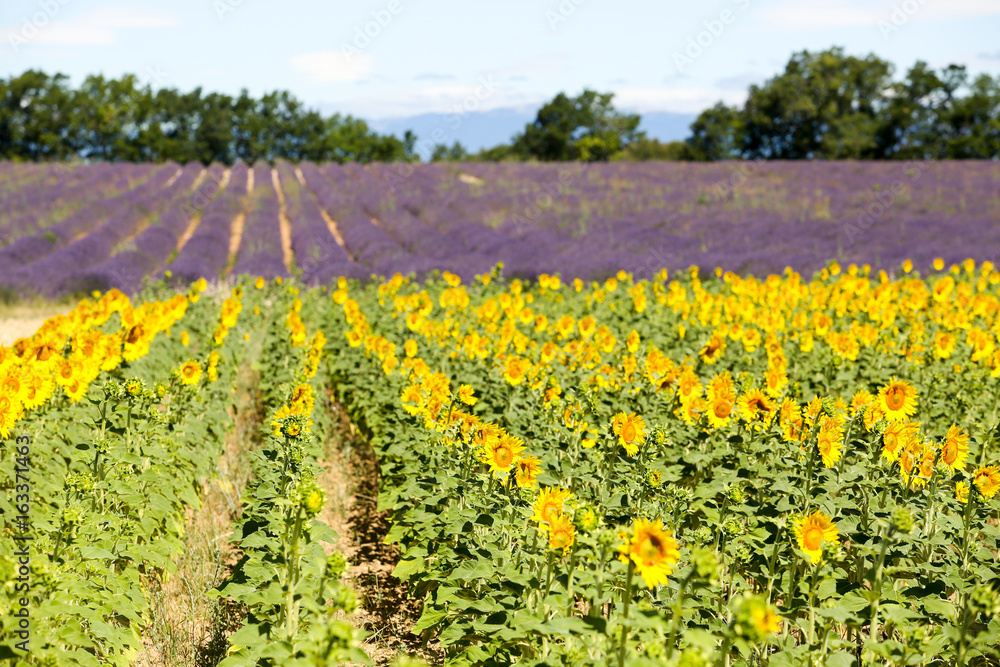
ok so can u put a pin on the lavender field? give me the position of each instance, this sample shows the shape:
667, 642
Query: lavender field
69, 229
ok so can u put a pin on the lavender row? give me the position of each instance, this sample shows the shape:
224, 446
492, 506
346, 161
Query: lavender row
59, 272
34, 204
30, 249
154, 246
260, 251
206, 253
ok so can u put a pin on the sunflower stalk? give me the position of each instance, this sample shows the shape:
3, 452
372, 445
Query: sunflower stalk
877, 590
628, 599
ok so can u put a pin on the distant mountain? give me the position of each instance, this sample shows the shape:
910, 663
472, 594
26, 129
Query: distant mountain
476, 130
667, 125
484, 129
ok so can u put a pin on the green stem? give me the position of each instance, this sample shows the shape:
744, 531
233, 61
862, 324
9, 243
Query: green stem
628, 599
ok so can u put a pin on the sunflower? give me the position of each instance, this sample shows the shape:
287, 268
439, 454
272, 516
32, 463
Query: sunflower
756, 408
515, 369
503, 453
465, 395
955, 448
987, 480
652, 549
713, 349
10, 412
861, 399
897, 400
962, 492
527, 470
631, 431
561, 532
719, 411
190, 373
812, 531
548, 505
897, 437
830, 449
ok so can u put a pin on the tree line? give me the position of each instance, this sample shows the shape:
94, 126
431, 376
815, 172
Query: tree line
119, 120
824, 105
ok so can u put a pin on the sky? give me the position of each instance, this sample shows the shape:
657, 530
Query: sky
385, 60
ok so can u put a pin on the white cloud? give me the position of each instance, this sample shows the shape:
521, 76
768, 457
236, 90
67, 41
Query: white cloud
681, 100
96, 28
485, 95
333, 66
823, 14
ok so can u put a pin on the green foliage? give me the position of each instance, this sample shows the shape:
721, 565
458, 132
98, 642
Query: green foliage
586, 128
118, 120
828, 105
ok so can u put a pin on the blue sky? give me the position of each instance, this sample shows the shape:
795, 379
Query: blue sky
382, 59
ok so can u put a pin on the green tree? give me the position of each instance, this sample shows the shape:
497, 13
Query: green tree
824, 105
716, 134
586, 127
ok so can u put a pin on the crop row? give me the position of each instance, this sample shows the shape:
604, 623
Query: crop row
586, 221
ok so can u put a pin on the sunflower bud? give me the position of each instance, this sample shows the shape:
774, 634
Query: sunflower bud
336, 563
312, 499
755, 619
985, 601
902, 519
706, 564
133, 387
737, 495
703, 535
114, 389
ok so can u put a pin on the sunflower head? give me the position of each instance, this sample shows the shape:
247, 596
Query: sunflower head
548, 505
561, 532
813, 531
897, 400
652, 549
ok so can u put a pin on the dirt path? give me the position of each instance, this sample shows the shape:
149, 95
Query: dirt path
387, 612
22, 321
188, 627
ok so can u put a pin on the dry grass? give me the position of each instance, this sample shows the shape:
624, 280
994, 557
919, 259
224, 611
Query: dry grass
21, 320
189, 628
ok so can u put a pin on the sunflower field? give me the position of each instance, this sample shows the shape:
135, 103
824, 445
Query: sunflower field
697, 469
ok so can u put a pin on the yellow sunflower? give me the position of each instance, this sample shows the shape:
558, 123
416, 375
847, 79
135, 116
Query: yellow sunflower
10, 412
548, 505
813, 531
561, 532
713, 349
190, 373
527, 470
987, 480
503, 453
631, 431
466, 395
719, 411
898, 400
955, 448
653, 550
756, 408
897, 436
